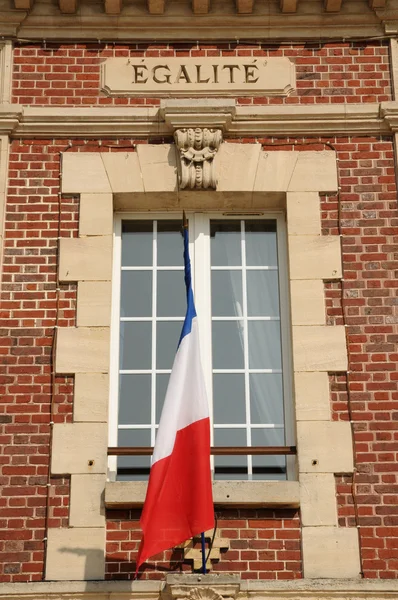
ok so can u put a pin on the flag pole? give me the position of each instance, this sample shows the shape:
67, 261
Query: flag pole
202, 535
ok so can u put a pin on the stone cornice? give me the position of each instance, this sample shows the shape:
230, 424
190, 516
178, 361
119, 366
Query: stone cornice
135, 22
177, 586
364, 119
389, 113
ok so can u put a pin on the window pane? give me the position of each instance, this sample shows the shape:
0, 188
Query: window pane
229, 398
168, 335
264, 345
268, 467
130, 468
225, 243
262, 293
171, 294
266, 398
227, 344
162, 381
137, 239
136, 294
135, 345
226, 293
134, 399
169, 244
230, 467
261, 246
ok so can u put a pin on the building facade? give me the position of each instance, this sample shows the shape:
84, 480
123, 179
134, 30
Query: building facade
274, 127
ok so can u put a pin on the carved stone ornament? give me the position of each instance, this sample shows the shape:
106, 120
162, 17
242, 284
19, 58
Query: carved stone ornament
204, 593
197, 148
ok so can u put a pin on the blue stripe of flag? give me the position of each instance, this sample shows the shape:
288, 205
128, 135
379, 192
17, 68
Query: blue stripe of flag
191, 312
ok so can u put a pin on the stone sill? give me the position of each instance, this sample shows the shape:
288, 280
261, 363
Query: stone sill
310, 589
281, 494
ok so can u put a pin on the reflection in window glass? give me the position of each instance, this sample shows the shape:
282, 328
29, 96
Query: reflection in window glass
137, 243
135, 345
230, 467
246, 343
136, 294
132, 468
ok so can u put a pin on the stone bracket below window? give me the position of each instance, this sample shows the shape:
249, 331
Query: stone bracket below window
281, 494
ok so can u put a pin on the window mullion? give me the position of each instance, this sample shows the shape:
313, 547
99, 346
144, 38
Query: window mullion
154, 311
246, 347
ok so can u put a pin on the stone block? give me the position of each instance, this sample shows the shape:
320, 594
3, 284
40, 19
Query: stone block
84, 172
274, 171
75, 554
307, 302
82, 350
88, 258
119, 494
79, 448
303, 213
296, 172
314, 257
91, 398
94, 303
330, 552
123, 171
319, 348
96, 214
324, 447
87, 508
236, 167
318, 499
314, 172
158, 166
312, 396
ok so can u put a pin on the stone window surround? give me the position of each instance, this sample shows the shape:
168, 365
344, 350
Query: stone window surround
249, 179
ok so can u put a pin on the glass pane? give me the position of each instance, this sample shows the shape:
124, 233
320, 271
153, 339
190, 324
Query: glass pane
134, 399
261, 248
162, 381
171, 295
264, 345
225, 243
135, 345
229, 398
226, 293
130, 468
227, 344
268, 467
168, 335
262, 293
266, 398
137, 239
230, 467
170, 244
136, 294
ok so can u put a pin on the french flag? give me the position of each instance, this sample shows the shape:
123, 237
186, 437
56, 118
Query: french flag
179, 500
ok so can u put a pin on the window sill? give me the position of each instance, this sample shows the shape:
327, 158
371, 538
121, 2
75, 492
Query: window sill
282, 494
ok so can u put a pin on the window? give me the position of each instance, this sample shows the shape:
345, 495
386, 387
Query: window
239, 279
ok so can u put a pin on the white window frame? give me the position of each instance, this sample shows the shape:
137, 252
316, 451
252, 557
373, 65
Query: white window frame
199, 232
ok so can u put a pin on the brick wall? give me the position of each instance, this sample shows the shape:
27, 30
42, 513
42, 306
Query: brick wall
369, 220
262, 545
63, 75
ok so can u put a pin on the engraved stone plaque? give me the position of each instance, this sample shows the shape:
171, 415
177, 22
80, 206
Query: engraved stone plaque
205, 76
